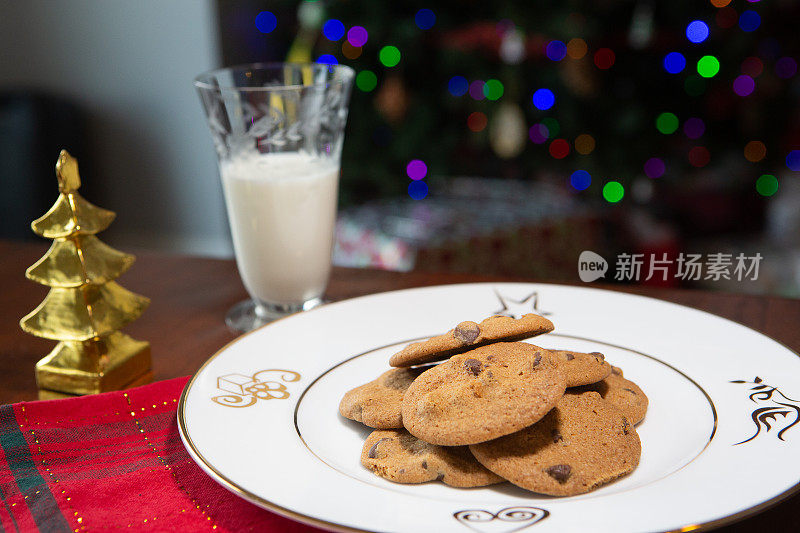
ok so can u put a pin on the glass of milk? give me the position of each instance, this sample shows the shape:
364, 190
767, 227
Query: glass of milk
278, 130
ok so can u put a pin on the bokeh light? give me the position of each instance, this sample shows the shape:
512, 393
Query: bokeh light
333, 30
266, 22
613, 191
694, 85
559, 148
749, 20
417, 190
458, 85
425, 19
720, 3
416, 169
708, 66
744, 85
366, 80
767, 185
327, 59
694, 128
576, 48
793, 160
667, 123
769, 48
477, 121
493, 89
654, 167
604, 58
755, 151
389, 56
786, 67
357, 36
553, 126
674, 62
584, 144
544, 99
697, 31
580, 180
699, 156
538, 133
476, 90
556, 50
351, 52
753, 67
726, 17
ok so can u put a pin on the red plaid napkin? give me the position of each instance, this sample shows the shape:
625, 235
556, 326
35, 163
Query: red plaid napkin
113, 461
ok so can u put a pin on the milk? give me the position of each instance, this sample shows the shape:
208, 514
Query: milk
282, 210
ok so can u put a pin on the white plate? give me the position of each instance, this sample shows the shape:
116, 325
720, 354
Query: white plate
721, 439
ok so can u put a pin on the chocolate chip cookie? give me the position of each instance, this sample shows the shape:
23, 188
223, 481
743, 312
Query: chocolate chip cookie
400, 457
482, 394
469, 335
622, 393
377, 403
582, 368
583, 443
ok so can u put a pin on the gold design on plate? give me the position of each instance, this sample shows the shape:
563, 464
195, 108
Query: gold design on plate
247, 390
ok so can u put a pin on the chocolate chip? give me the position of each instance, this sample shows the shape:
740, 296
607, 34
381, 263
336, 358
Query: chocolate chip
631, 391
440, 477
598, 355
467, 332
625, 425
537, 358
425, 465
570, 356
473, 366
402, 471
373, 452
556, 435
559, 472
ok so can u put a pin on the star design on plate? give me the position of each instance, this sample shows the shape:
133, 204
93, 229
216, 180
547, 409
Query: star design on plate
517, 308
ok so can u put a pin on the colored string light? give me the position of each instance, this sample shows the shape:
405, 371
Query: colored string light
357, 36
694, 128
552, 125
753, 67
697, 31
327, 59
366, 80
580, 180
458, 85
417, 190
584, 144
749, 20
613, 191
477, 121
793, 160
726, 17
667, 123
425, 19
720, 3
654, 167
389, 56
349, 51
538, 133
266, 22
604, 58
576, 48
544, 99
556, 50
744, 85
333, 30
476, 90
493, 89
416, 169
559, 148
755, 151
674, 62
699, 156
786, 67
708, 66
767, 185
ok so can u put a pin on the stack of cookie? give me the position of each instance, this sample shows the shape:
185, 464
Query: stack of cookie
551, 421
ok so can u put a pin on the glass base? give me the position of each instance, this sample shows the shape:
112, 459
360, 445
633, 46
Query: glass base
250, 314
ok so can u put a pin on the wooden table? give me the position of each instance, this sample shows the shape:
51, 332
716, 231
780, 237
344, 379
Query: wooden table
190, 296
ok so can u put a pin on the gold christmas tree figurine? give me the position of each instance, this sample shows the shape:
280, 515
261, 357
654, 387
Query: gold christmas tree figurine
85, 308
